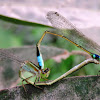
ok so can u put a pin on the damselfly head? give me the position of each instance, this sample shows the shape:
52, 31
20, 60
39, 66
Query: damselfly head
95, 56
45, 72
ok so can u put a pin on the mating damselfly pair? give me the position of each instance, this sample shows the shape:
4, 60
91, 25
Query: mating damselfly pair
64, 29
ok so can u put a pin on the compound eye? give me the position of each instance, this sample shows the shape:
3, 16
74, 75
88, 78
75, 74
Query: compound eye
46, 70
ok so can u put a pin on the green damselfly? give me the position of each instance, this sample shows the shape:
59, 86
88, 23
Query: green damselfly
35, 72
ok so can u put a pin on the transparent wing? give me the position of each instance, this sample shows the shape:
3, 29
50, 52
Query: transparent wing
65, 28
5, 54
20, 55
10, 62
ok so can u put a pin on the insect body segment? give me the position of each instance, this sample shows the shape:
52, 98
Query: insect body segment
40, 59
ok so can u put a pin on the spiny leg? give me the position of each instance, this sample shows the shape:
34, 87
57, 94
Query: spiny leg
36, 81
20, 75
28, 82
37, 78
24, 79
23, 85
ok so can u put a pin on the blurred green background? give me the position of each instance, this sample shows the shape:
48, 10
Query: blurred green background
17, 33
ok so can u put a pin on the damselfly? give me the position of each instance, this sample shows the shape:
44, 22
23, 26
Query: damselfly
33, 70
66, 30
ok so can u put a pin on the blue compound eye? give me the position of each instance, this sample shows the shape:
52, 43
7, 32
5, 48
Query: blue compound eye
95, 56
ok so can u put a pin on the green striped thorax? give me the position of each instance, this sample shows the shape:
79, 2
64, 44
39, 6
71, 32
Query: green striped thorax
33, 69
